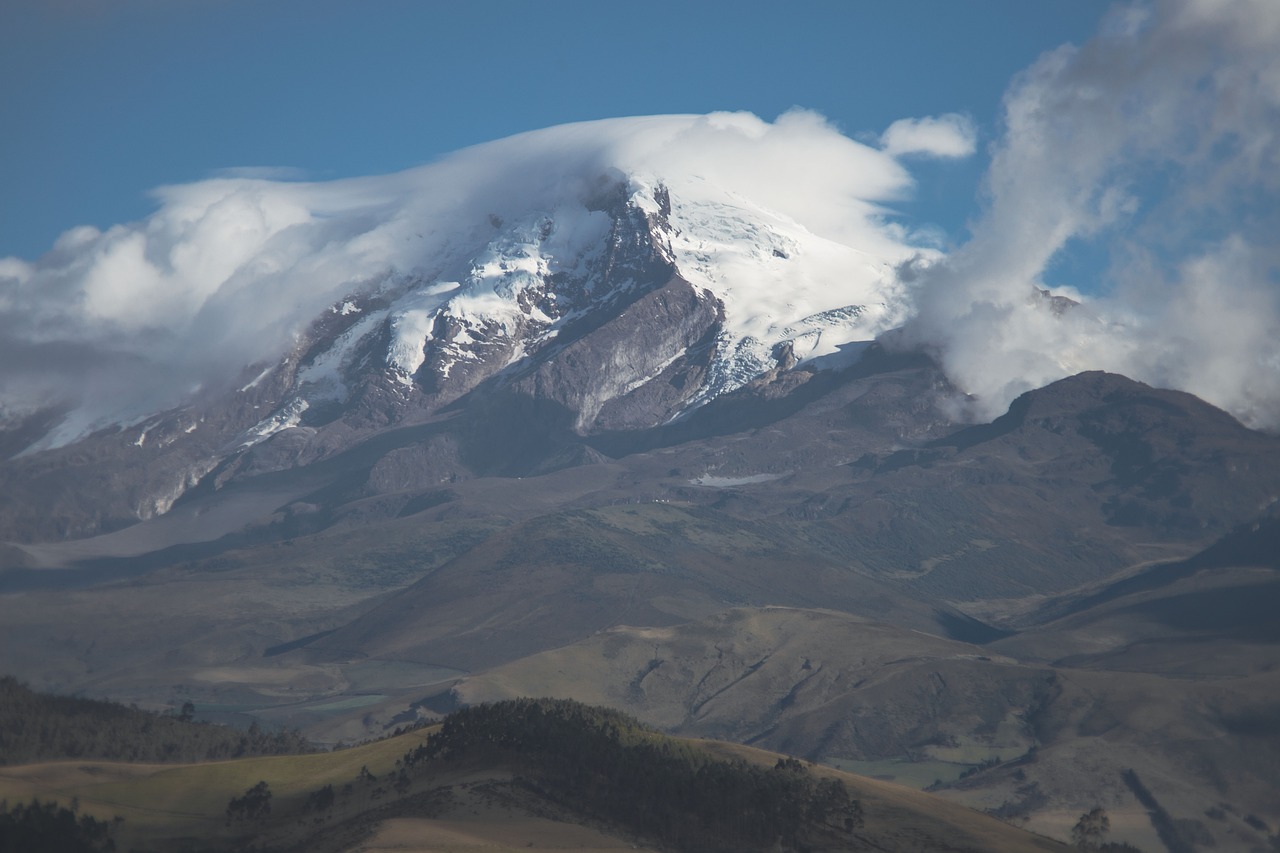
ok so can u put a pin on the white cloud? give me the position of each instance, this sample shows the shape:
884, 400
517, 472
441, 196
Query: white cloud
951, 135
1160, 140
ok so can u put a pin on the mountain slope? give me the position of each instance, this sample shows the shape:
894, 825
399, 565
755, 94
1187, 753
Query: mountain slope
1081, 479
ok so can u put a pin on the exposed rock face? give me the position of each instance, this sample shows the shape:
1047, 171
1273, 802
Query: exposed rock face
555, 306
636, 370
117, 477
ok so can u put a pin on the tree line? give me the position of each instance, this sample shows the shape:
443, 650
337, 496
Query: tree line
42, 727
609, 766
51, 828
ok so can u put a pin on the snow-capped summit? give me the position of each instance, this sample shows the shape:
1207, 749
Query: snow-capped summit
604, 277
528, 286
448, 273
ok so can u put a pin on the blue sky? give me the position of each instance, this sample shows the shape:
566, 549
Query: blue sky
102, 101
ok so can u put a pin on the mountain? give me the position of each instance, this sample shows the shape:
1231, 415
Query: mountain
560, 416
611, 314
573, 270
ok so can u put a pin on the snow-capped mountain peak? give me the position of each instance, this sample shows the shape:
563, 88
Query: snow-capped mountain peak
481, 258
529, 283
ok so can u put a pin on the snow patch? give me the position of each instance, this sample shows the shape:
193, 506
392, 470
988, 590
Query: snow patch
412, 319
286, 418
160, 503
266, 371
728, 482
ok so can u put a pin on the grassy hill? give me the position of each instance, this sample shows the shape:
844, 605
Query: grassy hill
1033, 741
528, 773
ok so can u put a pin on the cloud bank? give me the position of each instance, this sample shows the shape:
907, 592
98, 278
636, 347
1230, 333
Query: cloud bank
121, 323
1158, 141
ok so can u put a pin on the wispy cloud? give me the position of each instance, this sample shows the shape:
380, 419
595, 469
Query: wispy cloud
266, 173
1158, 141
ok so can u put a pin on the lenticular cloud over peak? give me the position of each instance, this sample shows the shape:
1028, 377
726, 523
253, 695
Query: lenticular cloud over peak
120, 323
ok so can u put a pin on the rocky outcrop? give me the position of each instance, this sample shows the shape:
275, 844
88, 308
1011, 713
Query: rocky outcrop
637, 369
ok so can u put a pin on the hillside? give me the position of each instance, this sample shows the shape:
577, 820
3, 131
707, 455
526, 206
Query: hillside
1035, 742
513, 775
962, 595
38, 727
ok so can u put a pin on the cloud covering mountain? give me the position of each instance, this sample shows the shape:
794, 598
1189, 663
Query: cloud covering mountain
1156, 143
229, 270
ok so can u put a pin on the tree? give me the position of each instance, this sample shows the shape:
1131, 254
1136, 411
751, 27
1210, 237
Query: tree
1090, 830
256, 803
320, 800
